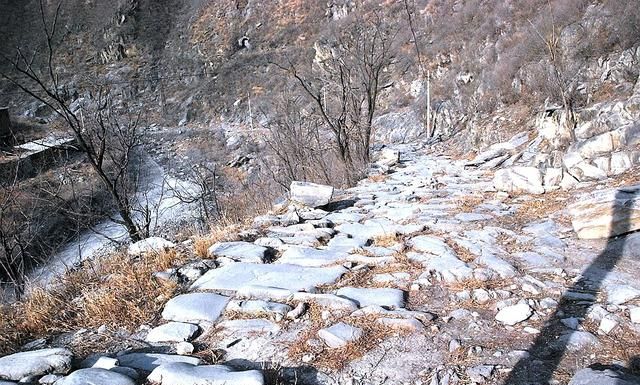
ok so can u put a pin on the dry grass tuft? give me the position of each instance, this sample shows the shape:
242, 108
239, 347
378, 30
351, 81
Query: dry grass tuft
223, 232
336, 359
468, 203
378, 178
473, 283
461, 252
386, 240
116, 290
201, 246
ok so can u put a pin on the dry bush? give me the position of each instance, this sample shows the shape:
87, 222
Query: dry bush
201, 245
114, 290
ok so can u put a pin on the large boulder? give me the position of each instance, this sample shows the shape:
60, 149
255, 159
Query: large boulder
35, 363
519, 180
311, 194
607, 213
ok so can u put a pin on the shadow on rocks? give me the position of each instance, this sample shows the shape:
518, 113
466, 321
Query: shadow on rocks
274, 373
546, 352
338, 205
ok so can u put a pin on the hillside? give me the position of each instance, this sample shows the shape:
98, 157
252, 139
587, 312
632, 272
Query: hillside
300, 192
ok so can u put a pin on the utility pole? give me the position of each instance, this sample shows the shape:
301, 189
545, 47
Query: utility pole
250, 113
429, 133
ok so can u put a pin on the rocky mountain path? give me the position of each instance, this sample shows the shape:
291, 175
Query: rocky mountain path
421, 274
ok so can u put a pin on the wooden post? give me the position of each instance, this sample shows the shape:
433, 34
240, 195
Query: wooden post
429, 133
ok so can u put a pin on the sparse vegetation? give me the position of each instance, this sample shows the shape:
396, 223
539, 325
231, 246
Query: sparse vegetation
117, 290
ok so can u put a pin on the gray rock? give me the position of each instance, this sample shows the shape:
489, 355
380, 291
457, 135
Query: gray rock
184, 348
172, 332
198, 308
429, 244
446, 267
310, 194
388, 157
383, 297
340, 335
607, 213
399, 278
310, 257
618, 294
512, 315
35, 363
472, 217
95, 376
150, 245
603, 377
339, 218
328, 301
257, 307
239, 251
575, 340
46, 380
480, 373
248, 327
519, 180
406, 324
291, 277
149, 361
185, 374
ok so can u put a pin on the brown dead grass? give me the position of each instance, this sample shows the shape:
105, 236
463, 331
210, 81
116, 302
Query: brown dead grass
378, 178
471, 284
222, 232
386, 240
335, 359
468, 203
115, 290
462, 253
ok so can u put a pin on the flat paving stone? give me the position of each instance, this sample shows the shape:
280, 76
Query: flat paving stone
172, 332
244, 327
383, 297
185, 374
310, 257
198, 308
284, 276
150, 361
95, 376
239, 251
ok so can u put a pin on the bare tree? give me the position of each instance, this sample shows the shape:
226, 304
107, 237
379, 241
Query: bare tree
346, 86
105, 132
21, 243
299, 148
425, 74
563, 71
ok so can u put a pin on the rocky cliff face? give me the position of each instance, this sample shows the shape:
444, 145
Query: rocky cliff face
564, 74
